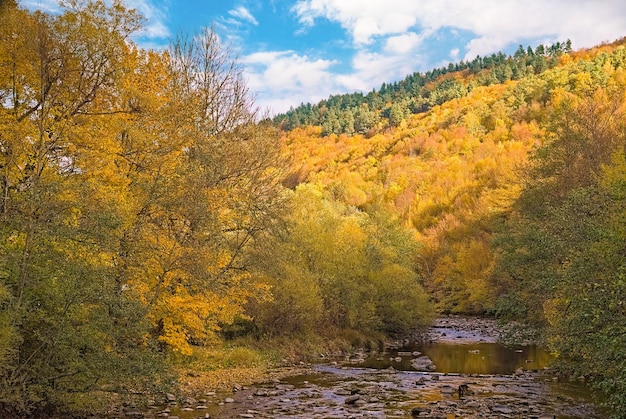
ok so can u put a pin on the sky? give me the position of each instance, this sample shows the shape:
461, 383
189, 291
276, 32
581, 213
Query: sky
302, 51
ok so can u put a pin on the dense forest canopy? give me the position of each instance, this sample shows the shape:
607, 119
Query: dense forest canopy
133, 183
514, 192
147, 214
360, 114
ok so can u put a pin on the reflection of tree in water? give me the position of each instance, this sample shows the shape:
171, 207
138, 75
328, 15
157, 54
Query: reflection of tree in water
485, 358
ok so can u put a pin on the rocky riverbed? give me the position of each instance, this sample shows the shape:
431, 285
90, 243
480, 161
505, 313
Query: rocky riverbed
343, 387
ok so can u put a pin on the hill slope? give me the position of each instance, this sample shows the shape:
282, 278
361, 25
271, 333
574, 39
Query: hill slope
515, 194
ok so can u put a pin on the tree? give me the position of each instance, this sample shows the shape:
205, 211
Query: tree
340, 268
133, 184
59, 214
562, 251
208, 183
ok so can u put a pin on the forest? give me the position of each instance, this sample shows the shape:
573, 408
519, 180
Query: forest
152, 216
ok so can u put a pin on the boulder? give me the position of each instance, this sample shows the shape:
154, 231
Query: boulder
504, 410
352, 399
423, 363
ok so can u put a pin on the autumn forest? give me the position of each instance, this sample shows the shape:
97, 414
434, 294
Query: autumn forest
150, 212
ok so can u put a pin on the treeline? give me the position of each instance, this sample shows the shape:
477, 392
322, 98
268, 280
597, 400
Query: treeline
561, 250
357, 113
144, 217
515, 193
124, 214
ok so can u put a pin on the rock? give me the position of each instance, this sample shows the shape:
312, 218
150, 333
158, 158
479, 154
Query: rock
423, 363
246, 415
448, 389
133, 412
352, 399
501, 409
464, 390
420, 411
190, 401
169, 397
343, 392
229, 400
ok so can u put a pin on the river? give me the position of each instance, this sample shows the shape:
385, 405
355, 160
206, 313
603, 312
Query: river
470, 375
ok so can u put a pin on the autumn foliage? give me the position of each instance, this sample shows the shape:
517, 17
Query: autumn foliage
133, 183
514, 193
147, 209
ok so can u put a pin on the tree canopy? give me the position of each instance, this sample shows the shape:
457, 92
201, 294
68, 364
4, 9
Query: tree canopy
148, 209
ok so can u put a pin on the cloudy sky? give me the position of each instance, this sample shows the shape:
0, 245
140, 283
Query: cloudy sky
298, 51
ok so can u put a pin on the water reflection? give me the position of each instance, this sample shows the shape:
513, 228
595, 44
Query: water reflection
389, 393
476, 358
485, 358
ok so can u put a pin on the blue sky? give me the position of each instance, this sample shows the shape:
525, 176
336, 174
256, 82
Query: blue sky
298, 51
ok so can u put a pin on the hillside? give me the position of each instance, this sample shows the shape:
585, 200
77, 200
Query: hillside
392, 102
152, 229
514, 192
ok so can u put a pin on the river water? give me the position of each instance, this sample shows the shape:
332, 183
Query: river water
501, 382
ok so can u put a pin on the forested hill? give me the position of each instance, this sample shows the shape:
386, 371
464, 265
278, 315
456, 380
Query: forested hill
358, 113
151, 227
514, 191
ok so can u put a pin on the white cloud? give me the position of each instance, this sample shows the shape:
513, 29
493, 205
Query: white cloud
155, 26
495, 23
363, 19
48, 6
284, 78
401, 44
243, 14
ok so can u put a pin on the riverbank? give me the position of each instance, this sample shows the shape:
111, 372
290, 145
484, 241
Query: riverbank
340, 386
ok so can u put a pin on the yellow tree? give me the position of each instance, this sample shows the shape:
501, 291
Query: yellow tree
205, 180
60, 218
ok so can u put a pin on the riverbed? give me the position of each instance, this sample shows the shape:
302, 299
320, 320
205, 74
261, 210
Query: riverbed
458, 370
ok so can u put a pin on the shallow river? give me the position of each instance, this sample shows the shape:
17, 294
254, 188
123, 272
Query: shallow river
472, 377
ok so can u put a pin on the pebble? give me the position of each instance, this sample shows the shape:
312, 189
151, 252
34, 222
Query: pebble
384, 392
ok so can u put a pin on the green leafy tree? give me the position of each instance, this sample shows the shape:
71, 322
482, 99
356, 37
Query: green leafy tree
70, 324
562, 251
